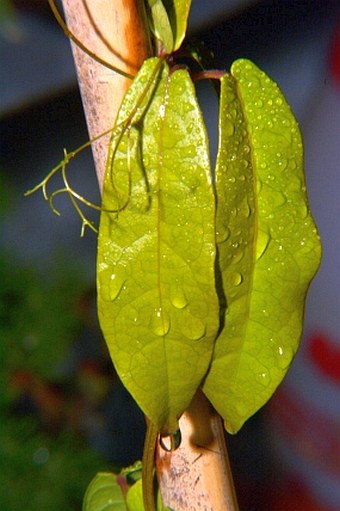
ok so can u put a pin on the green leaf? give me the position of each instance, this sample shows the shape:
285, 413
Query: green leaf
178, 12
104, 494
157, 302
134, 497
169, 20
268, 246
160, 24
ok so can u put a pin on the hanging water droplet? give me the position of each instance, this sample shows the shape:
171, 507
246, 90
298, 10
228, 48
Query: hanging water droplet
222, 235
160, 322
303, 210
115, 286
263, 378
285, 357
178, 298
282, 163
228, 128
258, 185
170, 442
236, 279
238, 256
189, 151
245, 210
263, 240
244, 164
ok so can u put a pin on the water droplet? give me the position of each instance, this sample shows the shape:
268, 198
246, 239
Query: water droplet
222, 235
263, 378
303, 210
187, 106
193, 328
245, 210
160, 322
178, 299
189, 152
244, 164
238, 256
228, 128
270, 178
236, 279
258, 185
282, 163
115, 286
285, 357
171, 441
263, 240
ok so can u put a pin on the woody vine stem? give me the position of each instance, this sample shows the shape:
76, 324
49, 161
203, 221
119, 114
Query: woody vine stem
197, 475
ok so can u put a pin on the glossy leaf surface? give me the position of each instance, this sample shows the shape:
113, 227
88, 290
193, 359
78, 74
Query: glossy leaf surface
157, 303
160, 24
104, 494
268, 246
169, 20
178, 14
134, 498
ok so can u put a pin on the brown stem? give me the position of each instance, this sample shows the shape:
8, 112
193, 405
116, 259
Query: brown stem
115, 32
197, 476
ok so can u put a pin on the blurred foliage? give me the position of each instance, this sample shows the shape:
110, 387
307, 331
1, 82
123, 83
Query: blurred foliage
6, 10
40, 472
45, 463
37, 316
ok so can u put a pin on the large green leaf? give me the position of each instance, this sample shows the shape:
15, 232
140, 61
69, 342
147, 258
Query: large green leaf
268, 246
157, 302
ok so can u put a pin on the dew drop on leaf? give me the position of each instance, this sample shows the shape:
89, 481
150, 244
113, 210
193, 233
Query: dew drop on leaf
238, 256
194, 329
222, 235
237, 279
178, 299
115, 286
285, 357
229, 128
263, 240
263, 378
160, 322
